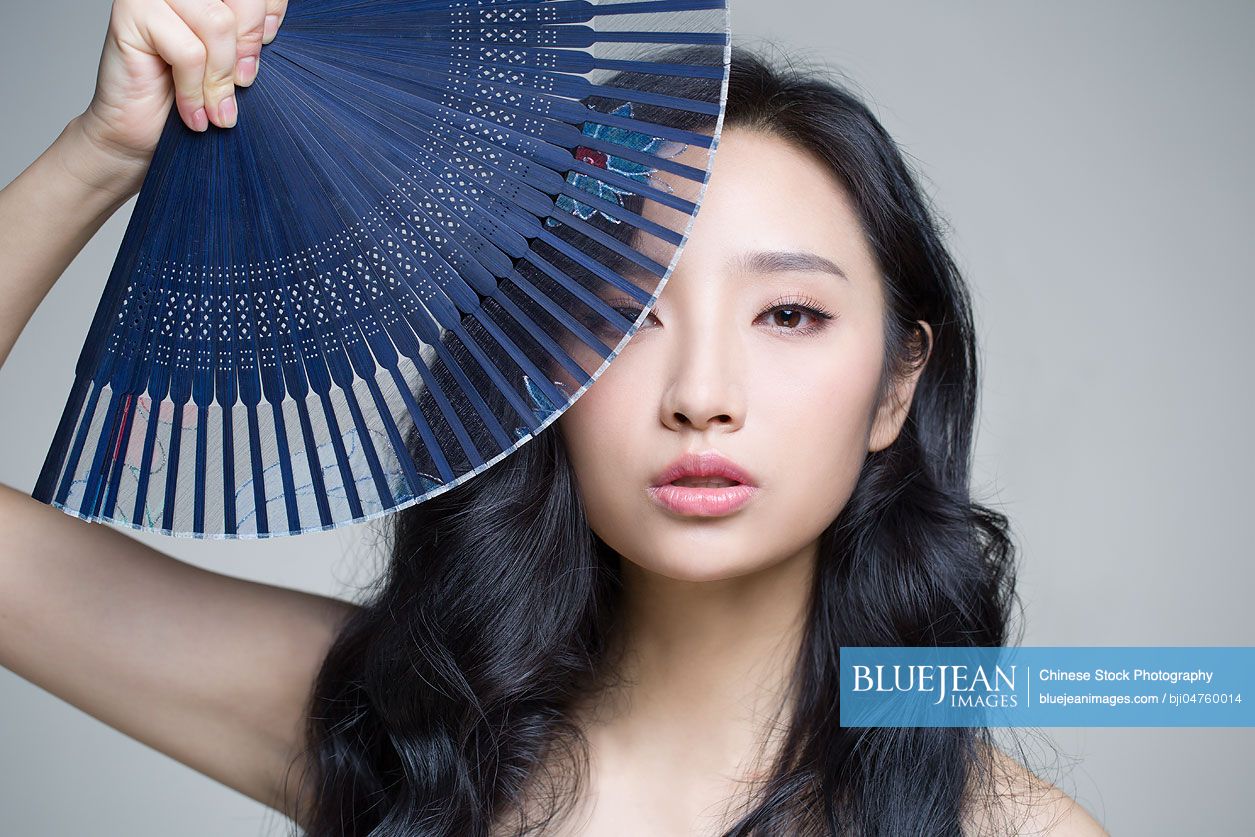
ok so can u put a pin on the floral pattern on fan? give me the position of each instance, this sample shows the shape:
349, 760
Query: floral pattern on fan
542, 406
333, 488
636, 140
332, 485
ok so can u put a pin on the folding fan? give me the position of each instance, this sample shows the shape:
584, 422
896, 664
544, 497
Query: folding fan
434, 225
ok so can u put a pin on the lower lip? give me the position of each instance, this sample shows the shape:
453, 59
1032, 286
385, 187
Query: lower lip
696, 501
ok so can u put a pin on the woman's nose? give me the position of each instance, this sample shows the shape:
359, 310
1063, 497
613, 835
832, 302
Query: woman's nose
705, 380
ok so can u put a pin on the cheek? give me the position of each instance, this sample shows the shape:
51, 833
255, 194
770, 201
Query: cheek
604, 432
816, 423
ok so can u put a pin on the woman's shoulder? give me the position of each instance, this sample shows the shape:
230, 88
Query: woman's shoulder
1014, 800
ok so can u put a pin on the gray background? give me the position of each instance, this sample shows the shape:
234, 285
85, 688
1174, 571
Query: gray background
1094, 162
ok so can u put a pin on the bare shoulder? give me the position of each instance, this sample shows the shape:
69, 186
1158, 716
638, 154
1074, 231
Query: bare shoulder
1010, 799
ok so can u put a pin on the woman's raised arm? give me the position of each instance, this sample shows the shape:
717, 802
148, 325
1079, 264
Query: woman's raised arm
209, 669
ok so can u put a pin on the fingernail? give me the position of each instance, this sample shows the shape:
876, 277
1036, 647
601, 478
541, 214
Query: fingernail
226, 112
200, 120
269, 28
246, 69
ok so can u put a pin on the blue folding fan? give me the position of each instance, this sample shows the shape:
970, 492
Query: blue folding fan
411, 254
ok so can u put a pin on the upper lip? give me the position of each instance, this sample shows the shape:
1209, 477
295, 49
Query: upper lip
710, 463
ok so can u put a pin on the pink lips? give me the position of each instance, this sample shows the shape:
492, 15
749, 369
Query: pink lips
703, 500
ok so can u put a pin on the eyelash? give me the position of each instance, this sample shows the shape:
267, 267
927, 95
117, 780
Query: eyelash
804, 304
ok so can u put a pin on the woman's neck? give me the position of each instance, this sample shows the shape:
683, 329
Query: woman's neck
699, 692
705, 651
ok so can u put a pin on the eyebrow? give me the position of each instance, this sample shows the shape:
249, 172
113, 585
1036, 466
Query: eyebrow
777, 261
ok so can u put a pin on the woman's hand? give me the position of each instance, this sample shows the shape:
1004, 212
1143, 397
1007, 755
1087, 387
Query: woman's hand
190, 52
59, 202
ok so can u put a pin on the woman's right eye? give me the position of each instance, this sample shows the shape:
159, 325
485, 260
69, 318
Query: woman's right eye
629, 312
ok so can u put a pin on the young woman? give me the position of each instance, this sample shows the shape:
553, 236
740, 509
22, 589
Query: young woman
580, 640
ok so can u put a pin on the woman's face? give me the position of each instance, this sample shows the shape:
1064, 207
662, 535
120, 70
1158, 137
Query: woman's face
766, 346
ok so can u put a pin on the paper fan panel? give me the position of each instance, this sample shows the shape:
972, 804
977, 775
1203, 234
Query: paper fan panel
434, 225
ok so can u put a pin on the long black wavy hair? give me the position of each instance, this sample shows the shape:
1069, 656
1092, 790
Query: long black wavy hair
444, 705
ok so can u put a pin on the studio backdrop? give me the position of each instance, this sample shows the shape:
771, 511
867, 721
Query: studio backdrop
1093, 164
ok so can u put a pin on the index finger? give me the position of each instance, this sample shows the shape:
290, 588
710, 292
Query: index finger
275, 11
248, 18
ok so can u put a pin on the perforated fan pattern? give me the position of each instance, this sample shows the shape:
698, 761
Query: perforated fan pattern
400, 264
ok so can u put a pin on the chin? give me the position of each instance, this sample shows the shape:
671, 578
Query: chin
710, 561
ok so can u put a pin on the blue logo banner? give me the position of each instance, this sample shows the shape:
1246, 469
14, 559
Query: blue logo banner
1048, 686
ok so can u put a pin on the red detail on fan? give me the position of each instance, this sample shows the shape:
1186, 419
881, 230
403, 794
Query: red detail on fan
592, 156
126, 409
